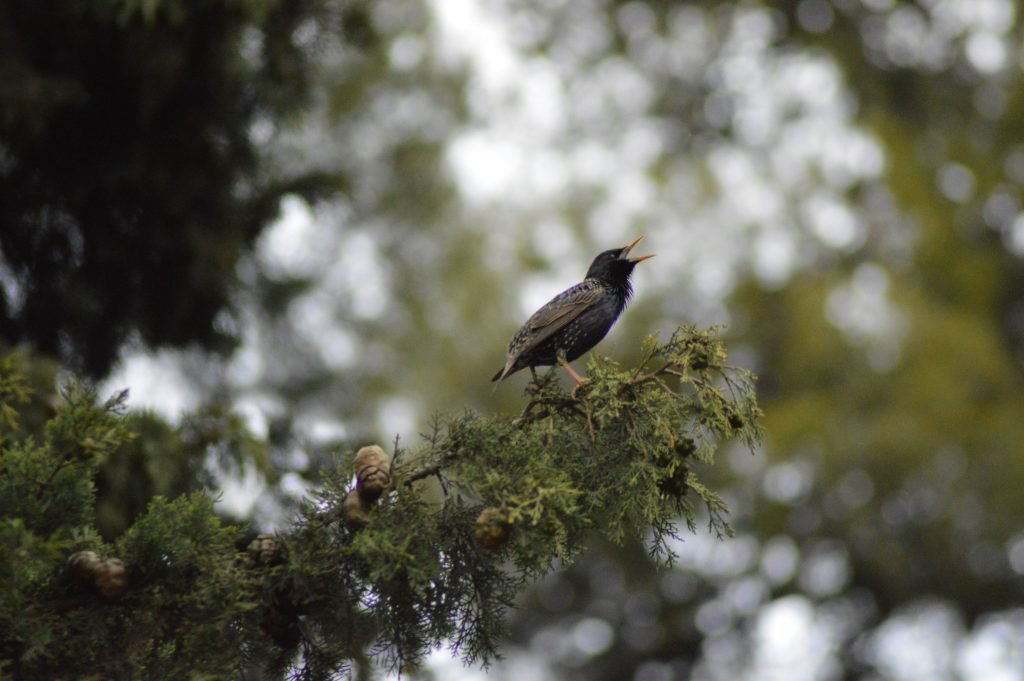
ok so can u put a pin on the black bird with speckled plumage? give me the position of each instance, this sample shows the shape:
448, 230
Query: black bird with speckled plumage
576, 319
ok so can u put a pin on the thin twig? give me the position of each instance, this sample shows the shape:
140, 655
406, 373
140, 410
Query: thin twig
427, 470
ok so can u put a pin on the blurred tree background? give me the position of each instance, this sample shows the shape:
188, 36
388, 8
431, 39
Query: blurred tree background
330, 216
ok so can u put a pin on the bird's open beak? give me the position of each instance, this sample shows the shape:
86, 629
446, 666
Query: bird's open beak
640, 258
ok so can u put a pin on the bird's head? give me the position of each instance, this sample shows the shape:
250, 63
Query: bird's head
616, 265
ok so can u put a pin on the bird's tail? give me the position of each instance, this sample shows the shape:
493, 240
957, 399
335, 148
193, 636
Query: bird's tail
500, 376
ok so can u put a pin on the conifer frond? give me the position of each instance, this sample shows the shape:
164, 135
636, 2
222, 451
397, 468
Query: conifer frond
482, 507
621, 459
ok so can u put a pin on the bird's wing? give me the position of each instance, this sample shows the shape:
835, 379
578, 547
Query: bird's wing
564, 308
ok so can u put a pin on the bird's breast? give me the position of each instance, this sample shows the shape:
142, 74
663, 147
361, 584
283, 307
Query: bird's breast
587, 330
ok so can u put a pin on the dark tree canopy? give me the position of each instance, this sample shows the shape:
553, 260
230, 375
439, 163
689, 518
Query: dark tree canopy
129, 180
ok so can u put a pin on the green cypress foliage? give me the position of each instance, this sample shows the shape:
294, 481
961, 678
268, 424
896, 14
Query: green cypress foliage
482, 507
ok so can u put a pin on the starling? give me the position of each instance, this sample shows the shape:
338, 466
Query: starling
576, 319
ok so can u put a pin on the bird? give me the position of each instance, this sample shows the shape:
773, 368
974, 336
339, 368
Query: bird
576, 319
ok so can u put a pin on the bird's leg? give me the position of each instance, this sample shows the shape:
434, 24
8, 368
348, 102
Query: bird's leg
533, 372
577, 379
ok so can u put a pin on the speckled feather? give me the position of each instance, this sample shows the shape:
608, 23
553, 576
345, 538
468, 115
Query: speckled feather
576, 319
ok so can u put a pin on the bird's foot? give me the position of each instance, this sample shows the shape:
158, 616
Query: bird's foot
536, 383
577, 379
579, 383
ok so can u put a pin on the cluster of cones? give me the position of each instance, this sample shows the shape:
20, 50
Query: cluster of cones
373, 478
